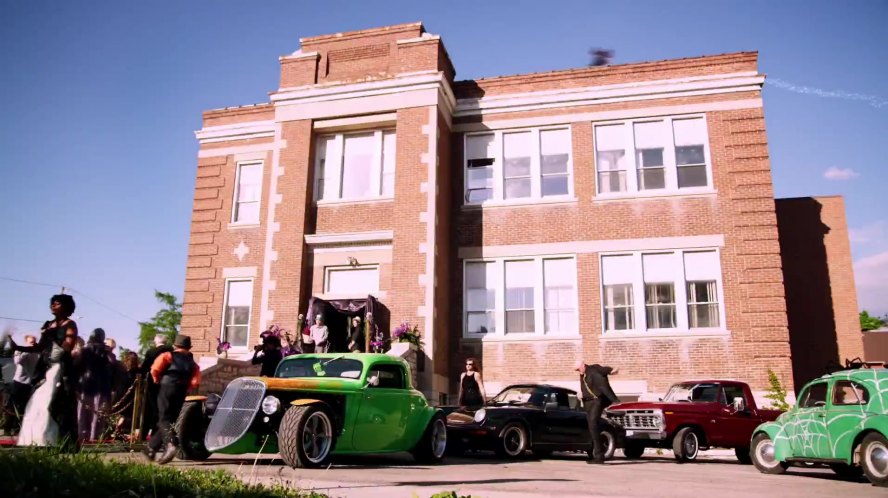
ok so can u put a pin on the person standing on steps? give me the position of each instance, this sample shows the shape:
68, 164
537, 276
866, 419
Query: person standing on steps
597, 395
320, 335
471, 386
175, 372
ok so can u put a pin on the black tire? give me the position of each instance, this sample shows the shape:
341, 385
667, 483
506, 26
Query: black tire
191, 427
609, 441
432, 446
306, 436
873, 458
762, 454
743, 456
513, 441
633, 450
686, 445
845, 471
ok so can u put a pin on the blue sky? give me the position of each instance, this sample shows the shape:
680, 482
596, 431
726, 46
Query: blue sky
98, 102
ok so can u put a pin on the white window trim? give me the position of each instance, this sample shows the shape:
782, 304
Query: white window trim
539, 302
349, 295
375, 172
237, 349
535, 169
234, 202
681, 300
668, 160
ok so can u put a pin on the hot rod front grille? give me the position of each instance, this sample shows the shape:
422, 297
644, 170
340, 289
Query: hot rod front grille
636, 420
235, 413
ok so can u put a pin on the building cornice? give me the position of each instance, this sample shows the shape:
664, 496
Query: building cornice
237, 131
349, 238
645, 90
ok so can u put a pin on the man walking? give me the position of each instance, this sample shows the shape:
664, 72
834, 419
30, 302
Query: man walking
597, 395
21, 387
149, 417
175, 372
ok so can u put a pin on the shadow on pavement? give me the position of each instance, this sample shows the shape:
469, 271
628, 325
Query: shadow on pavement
479, 481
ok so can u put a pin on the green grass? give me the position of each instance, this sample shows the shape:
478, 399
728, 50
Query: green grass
49, 473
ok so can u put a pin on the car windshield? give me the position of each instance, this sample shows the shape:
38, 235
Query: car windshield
320, 367
693, 392
518, 396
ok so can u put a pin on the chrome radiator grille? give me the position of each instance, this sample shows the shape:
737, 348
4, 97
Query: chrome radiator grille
642, 420
235, 413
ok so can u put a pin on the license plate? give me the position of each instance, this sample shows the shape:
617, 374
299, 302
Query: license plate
630, 433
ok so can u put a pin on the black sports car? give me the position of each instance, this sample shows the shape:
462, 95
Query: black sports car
535, 417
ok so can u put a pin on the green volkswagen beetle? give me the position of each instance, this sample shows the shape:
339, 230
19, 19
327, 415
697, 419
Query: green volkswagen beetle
841, 420
318, 406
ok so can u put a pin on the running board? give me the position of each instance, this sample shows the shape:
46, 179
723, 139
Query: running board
816, 460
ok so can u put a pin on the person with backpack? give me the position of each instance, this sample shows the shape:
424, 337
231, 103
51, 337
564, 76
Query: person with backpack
94, 388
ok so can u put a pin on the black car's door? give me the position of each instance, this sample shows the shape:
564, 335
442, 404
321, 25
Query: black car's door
565, 425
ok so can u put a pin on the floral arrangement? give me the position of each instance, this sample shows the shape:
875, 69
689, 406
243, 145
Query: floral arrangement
380, 345
407, 333
288, 346
222, 347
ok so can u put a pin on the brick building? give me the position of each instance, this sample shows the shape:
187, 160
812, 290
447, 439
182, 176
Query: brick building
620, 214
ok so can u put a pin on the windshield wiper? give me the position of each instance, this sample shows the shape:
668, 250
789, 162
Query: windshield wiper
324, 364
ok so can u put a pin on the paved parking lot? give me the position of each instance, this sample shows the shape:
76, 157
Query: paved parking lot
566, 476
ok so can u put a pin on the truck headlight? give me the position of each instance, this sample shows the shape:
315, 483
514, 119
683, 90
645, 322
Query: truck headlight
270, 405
480, 415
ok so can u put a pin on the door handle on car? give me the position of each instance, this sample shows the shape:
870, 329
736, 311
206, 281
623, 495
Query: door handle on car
821, 415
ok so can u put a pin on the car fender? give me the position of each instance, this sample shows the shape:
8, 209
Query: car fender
417, 427
305, 401
777, 433
199, 399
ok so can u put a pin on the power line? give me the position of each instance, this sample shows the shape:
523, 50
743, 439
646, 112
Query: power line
19, 319
30, 282
80, 293
72, 290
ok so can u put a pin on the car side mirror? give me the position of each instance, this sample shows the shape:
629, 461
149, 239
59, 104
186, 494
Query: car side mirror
739, 405
373, 381
551, 405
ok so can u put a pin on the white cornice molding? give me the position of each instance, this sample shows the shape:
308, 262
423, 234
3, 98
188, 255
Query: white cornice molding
593, 246
349, 238
237, 131
645, 90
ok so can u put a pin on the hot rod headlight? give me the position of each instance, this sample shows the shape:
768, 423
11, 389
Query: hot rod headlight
480, 415
270, 405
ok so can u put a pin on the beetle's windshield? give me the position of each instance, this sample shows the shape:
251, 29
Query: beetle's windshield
519, 396
320, 367
693, 392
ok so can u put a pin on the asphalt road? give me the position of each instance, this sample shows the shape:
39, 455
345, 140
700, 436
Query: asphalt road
565, 476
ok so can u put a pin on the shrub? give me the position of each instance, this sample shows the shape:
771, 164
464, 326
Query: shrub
49, 473
776, 392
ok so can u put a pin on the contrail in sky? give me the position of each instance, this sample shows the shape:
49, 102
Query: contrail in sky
872, 100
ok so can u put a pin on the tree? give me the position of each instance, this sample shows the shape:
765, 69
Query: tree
868, 322
776, 392
166, 322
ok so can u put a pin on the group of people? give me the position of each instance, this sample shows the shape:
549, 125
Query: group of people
65, 389
316, 338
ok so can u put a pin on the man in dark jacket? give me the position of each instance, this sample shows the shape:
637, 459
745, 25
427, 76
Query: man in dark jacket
149, 417
268, 354
175, 373
597, 395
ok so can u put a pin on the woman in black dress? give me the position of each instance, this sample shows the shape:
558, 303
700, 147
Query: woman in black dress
471, 386
51, 415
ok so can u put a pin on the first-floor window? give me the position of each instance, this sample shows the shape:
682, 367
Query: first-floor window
521, 296
677, 290
352, 280
238, 300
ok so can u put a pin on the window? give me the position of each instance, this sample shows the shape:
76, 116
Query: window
846, 392
521, 297
352, 280
390, 376
731, 393
518, 164
356, 166
814, 396
481, 297
246, 194
667, 156
236, 321
661, 291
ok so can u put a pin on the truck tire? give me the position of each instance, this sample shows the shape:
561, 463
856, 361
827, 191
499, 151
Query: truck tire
191, 427
305, 437
743, 456
686, 445
609, 442
873, 458
512, 441
433, 444
762, 454
633, 450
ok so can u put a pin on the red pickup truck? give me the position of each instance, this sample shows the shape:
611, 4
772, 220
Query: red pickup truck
692, 417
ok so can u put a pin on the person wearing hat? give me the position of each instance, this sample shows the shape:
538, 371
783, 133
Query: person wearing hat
597, 395
268, 354
175, 372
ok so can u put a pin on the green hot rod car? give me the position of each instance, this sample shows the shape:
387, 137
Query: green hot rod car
841, 420
317, 406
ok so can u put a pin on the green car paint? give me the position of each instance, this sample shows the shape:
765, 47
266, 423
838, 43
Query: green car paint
821, 427
372, 419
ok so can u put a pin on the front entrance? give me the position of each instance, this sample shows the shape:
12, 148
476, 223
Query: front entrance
338, 314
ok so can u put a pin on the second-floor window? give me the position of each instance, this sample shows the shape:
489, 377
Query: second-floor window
247, 192
355, 166
650, 157
512, 165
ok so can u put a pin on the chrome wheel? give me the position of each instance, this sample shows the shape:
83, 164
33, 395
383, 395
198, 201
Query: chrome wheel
317, 437
439, 438
764, 454
876, 457
513, 440
691, 445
